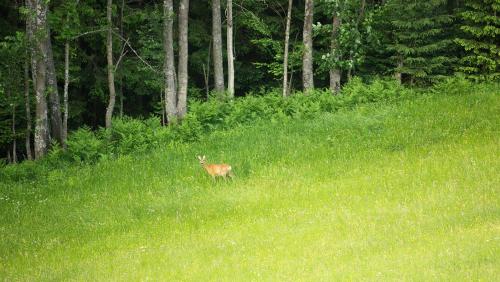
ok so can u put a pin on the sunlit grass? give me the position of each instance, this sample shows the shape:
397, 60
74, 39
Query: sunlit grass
406, 191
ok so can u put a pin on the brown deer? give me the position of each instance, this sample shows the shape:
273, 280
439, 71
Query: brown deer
215, 170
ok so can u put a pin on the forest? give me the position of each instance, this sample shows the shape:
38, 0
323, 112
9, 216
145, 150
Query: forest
67, 65
249, 140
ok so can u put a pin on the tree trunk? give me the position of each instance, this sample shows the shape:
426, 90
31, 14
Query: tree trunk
168, 67
27, 107
12, 101
285, 56
41, 125
14, 140
183, 58
335, 73
66, 98
230, 52
56, 127
30, 29
111, 75
123, 48
206, 72
397, 74
307, 57
162, 109
217, 48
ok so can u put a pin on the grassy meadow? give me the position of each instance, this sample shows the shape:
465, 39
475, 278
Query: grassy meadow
408, 190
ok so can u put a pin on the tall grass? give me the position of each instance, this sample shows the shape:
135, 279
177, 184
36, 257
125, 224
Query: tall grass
407, 190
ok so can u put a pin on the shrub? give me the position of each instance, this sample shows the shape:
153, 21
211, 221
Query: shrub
84, 146
131, 135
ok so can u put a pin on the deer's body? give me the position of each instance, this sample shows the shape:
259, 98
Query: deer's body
215, 170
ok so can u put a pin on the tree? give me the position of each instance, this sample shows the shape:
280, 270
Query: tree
27, 102
109, 57
481, 25
217, 46
183, 58
285, 56
307, 57
421, 40
39, 24
335, 73
168, 67
230, 53
56, 127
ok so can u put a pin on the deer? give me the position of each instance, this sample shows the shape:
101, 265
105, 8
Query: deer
215, 170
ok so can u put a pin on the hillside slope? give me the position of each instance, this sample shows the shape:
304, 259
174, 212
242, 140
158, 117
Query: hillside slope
388, 192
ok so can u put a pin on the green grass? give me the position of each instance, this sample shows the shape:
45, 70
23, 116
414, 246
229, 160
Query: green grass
406, 191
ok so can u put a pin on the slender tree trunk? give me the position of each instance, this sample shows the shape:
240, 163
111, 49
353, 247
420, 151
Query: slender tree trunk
13, 126
362, 9
14, 140
230, 51
206, 73
217, 48
66, 95
168, 67
123, 44
41, 125
307, 57
111, 75
183, 58
335, 73
30, 29
27, 107
162, 109
56, 127
285, 56
397, 74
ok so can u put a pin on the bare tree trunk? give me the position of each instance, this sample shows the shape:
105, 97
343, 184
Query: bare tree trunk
230, 52
217, 48
14, 141
206, 73
111, 75
397, 74
285, 56
183, 58
27, 107
307, 57
162, 109
12, 102
66, 95
30, 29
335, 73
168, 67
123, 46
56, 127
41, 125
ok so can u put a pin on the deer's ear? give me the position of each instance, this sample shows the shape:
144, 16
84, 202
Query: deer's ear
199, 158
204, 157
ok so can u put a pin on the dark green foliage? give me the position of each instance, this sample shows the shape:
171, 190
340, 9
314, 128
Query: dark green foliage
85, 146
136, 136
419, 39
481, 27
12, 49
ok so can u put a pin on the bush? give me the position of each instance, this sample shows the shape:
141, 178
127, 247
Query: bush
84, 146
456, 85
132, 135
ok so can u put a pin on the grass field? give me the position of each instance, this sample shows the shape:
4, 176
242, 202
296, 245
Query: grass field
405, 191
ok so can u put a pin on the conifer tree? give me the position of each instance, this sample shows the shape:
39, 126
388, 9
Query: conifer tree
420, 40
481, 25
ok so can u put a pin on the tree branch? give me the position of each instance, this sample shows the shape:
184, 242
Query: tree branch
135, 52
